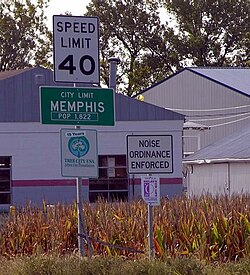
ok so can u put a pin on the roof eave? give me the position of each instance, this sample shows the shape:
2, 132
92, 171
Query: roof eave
222, 160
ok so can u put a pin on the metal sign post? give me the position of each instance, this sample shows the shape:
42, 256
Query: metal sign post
79, 205
76, 59
150, 154
79, 158
80, 228
150, 186
150, 232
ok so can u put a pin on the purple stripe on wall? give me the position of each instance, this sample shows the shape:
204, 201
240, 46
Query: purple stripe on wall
62, 182
72, 182
162, 181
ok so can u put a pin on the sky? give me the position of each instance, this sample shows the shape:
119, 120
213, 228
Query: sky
57, 7
76, 7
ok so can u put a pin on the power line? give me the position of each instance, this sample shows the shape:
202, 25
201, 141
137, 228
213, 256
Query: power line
230, 122
207, 110
219, 118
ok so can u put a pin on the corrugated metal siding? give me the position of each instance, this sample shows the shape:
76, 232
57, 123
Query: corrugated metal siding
19, 100
239, 177
208, 178
19, 96
219, 178
188, 90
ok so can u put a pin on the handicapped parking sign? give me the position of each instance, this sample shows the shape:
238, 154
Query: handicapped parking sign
150, 188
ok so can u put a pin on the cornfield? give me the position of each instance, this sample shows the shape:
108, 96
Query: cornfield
207, 228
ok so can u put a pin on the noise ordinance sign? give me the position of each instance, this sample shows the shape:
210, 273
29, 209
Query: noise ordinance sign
151, 154
76, 49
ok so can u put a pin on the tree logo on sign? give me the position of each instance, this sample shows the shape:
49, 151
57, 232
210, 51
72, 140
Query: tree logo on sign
78, 146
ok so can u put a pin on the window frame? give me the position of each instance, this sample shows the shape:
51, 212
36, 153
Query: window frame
109, 165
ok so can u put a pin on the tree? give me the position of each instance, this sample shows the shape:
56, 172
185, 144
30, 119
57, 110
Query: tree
24, 37
205, 33
132, 30
214, 32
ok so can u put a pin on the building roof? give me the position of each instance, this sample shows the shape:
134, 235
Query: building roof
235, 78
233, 147
19, 99
189, 125
130, 109
11, 73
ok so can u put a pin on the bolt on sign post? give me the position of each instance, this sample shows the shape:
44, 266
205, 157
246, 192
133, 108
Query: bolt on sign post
76, 49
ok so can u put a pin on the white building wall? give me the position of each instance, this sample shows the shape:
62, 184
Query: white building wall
207, 178
35, 148
218, 178
35, 152
239, 177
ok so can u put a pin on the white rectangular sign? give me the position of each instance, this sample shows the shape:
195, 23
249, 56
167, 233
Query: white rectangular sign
151, 154
150, 189
79, 153
76, 49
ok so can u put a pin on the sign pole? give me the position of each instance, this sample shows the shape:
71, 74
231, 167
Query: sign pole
70, 66
150, 231
80, 230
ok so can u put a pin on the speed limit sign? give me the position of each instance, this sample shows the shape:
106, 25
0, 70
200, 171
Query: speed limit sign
76, 49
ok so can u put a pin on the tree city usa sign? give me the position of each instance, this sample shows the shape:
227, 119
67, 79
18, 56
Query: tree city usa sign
79, 153
77, 106
76, 49
152, 154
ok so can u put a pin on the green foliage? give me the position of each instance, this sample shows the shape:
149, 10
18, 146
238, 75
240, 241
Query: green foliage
24, 37
214, 32
132, 31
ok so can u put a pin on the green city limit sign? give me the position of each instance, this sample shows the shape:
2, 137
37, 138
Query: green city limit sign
77, 106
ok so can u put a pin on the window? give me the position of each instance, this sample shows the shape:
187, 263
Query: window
112, 183
5, 180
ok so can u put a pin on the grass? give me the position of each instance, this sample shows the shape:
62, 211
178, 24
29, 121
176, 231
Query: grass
73, 265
